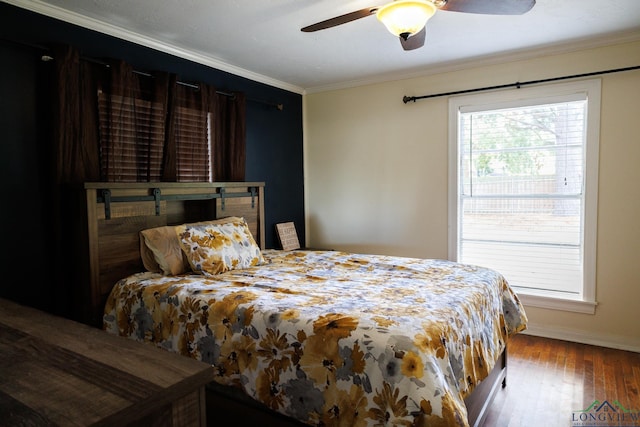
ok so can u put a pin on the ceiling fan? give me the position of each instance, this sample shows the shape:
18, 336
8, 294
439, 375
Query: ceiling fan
406, 19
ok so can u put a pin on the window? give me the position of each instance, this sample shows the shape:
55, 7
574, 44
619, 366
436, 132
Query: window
523, 189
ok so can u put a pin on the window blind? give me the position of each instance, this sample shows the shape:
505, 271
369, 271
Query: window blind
521, 198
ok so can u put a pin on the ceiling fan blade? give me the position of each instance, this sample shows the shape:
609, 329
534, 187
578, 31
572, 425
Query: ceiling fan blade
339, 20
490, 7
415, 41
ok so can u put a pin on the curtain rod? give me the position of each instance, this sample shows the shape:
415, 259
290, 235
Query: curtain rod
518, 85
46, 58
195, 86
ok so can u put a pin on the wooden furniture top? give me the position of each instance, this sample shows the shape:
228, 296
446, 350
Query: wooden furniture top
54, 371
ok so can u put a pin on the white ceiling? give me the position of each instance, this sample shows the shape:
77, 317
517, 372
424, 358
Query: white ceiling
261, 39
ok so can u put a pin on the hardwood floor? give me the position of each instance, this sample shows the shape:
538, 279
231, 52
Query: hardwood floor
549, 381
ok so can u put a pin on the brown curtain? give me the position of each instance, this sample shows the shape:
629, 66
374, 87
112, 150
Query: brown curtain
170, 152
75, 160
75, 130
229, 137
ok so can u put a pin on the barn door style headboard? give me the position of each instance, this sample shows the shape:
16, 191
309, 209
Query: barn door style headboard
115, 213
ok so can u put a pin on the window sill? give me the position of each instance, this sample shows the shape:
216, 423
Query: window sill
557, 303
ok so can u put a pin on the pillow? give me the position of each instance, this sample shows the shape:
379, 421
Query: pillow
161, 252
216, 248
160, 249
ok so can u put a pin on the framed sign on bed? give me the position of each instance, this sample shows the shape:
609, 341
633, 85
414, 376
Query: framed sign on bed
321, 337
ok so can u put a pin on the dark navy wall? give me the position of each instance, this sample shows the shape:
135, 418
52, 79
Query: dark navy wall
274, 137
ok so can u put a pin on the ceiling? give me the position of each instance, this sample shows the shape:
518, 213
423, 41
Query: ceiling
261, 39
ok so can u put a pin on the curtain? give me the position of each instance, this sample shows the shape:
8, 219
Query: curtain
74, 157
169, 152
229, 137
76, 152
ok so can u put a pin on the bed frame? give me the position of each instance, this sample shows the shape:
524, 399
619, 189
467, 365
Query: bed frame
113, 214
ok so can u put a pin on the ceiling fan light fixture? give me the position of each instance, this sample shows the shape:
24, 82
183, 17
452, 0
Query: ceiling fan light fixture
404, 18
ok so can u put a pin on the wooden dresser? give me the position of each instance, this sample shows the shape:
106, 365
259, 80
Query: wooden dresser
54, 371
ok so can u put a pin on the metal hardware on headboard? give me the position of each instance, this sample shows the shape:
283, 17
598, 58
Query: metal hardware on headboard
156, 197
104, 196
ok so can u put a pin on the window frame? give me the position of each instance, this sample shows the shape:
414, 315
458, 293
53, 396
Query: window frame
535, 95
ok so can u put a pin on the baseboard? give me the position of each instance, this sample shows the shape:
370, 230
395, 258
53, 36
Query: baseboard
584, 337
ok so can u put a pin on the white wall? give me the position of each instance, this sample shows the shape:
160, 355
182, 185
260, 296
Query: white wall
376, 177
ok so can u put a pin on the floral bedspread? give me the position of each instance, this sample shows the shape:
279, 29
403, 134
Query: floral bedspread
333, 338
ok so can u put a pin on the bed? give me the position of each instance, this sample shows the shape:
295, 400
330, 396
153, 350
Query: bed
321, 337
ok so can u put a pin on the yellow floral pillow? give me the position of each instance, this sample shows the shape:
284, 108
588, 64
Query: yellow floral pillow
216, 248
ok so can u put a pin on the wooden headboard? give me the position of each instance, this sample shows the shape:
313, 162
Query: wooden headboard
117, 212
